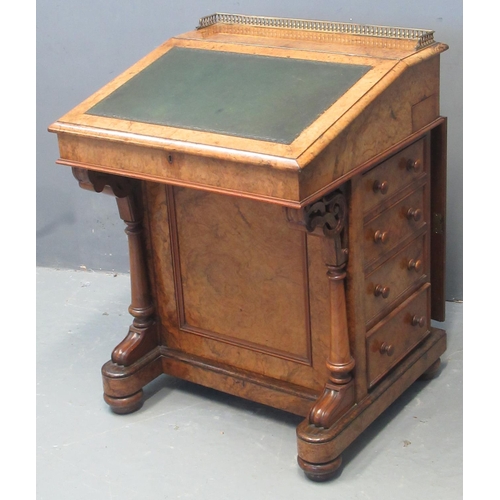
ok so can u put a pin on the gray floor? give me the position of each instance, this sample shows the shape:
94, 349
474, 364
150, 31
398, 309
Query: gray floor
192, 442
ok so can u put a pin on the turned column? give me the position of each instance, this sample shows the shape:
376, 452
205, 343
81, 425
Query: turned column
142, 337
330, 216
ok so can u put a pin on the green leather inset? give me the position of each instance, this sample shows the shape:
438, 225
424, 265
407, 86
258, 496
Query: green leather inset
258, 97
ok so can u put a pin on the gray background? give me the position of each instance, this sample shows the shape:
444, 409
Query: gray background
81, 46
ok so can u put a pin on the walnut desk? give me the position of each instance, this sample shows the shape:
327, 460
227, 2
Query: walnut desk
282, 183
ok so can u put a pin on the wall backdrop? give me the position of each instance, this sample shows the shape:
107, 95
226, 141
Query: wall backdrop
81, 46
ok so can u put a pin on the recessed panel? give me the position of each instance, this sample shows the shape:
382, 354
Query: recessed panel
243, 274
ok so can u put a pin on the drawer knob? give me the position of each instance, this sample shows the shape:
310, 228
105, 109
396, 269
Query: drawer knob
415, 265
382, 291
414, 214
414, 165
418, 321
381, 186
381, 236
386, 348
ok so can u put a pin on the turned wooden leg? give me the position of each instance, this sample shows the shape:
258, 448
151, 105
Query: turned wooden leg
142, 335
136, 352
127, 404
320, 472
432, 371
338, 393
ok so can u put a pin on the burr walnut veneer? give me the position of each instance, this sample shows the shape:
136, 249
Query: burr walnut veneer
282, 183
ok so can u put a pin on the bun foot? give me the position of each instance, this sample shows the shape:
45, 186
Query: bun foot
432, 371
127, 404
320, 472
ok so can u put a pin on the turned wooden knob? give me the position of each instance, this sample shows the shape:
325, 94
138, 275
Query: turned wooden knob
382, 291
418, 321
381, 186
386, 348
413, 165
415, 265
381, 236
414, 214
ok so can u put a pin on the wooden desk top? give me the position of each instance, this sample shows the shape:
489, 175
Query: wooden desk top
265, 98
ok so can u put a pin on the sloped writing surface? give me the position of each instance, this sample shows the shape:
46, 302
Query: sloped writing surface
258, 97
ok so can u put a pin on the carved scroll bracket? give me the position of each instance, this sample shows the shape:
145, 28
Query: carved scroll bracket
330, 214
100, 182
142, 335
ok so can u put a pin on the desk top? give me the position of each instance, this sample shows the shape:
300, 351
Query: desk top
260, 97
268, 92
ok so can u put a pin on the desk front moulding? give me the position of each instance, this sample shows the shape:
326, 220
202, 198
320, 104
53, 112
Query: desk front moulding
283, 188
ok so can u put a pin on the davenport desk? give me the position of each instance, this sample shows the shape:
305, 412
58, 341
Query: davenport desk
282, 183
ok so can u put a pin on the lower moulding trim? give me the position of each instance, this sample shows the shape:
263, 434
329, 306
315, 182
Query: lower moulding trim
122, 381
242, 383
115, 371
323, 444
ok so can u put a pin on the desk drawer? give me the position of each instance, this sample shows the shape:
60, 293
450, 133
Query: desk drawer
395, 336
390, 228
392, 175
384, 285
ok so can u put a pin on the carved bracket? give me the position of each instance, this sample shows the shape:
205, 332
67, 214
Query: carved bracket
103, 183
330, 214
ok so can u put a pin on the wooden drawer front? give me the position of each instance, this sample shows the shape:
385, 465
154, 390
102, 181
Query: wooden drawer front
392, 227
386, 284
393, 174
393, 338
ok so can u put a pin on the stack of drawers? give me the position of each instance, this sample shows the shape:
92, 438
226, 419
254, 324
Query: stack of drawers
396, 258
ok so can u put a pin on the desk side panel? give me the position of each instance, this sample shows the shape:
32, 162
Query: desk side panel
159, 252
234, 283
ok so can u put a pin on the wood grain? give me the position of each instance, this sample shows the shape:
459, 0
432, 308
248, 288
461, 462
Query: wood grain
302, 276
